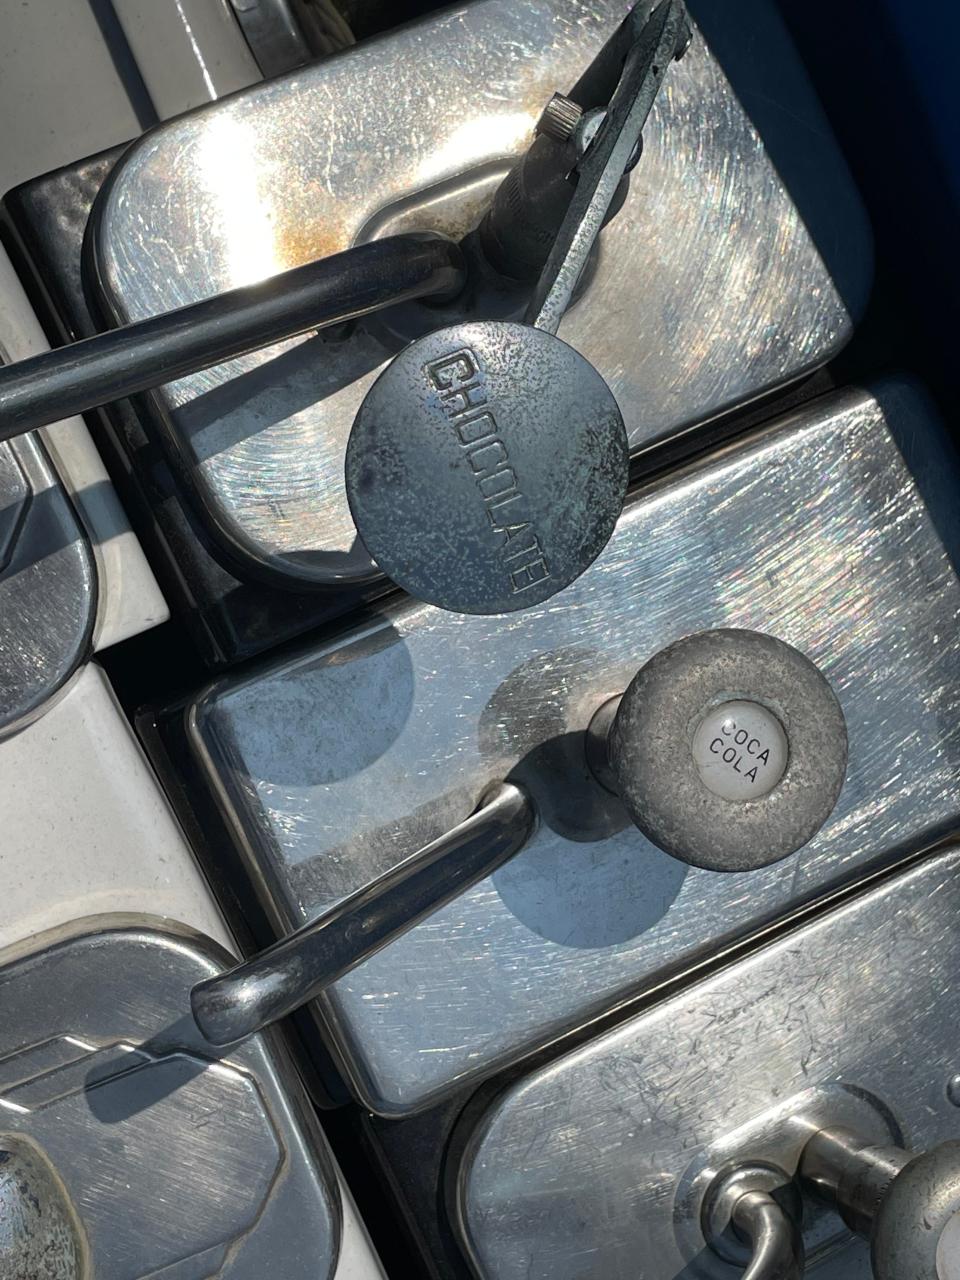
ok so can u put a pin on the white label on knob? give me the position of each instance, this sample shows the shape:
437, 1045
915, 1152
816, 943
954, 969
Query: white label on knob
740, 750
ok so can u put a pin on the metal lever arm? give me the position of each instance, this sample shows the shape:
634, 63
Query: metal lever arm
773, 1235
756, 1206
906, 1204
241, 1001
661, 39
122, 362
247, 998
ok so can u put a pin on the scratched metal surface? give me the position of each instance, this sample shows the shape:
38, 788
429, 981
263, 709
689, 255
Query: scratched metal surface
580, 1172
162, 1158
48, 584
716, 283
335, 762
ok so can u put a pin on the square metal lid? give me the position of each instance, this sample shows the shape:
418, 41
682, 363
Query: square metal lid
589, 1168
335, 762
166, 1157
738, 264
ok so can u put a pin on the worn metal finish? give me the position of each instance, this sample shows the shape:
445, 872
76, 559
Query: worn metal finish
665, 36
48, 584
778, 1139
40, 1233
776, 1245
110, 366
651, 750
581, 1171
916, 1226
487, 467
560, 118
248, 997
331, 762
850, 1171
170, 1156
710, 288
763, 1234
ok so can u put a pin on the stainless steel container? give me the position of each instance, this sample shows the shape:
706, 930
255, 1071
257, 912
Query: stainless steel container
739, 263
333, 763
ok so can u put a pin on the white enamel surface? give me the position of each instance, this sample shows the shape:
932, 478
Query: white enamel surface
740, 750
86, 828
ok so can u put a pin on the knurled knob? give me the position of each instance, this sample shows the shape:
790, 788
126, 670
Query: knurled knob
560, 118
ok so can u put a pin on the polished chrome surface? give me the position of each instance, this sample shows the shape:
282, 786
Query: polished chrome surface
906, 1204
579, 1172
777, 1138
776, 1248
48, 584
710, 288
332, 761
171, 1157
751, 1217
243, 1000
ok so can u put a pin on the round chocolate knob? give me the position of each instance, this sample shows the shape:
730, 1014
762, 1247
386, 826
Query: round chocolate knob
487, 467
916, 1230
728, 750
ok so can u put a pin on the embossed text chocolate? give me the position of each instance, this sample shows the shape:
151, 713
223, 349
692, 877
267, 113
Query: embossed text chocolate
458, 378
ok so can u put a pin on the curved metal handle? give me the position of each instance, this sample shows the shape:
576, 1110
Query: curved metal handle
122, 362
774, 1237
758, 1206
243, 1000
